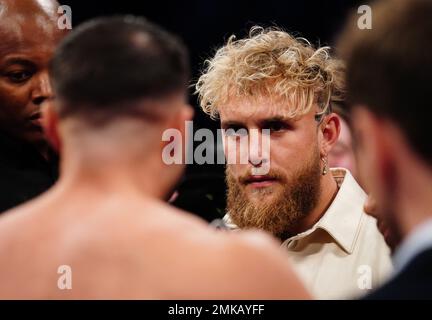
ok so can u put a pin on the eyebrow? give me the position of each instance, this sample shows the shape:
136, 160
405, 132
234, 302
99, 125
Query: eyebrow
230, 123
277, 119
21, 61
262, 122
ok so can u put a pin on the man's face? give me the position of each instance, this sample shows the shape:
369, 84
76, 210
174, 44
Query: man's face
26, 48
374, 163
278, 200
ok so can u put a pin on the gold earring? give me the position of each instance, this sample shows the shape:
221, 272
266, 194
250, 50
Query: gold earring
325, 168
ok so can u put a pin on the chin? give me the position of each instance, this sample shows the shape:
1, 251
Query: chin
265, 194
37, 139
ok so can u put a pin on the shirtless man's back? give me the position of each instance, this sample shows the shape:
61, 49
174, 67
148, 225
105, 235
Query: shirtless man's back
133, 248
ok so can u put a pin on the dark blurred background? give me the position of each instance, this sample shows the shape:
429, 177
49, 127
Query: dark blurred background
204, 25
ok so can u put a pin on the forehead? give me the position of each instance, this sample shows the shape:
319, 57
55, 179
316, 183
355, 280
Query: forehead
260, 108
25, 35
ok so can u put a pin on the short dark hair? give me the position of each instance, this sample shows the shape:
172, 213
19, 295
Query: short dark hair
106, 63
389, 67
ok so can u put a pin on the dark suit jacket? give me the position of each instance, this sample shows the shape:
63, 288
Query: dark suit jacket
413, 282
24, 173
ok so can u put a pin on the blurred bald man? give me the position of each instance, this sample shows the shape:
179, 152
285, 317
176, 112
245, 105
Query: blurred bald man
120, 83
29, 35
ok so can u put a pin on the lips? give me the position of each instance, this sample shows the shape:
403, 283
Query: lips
260, 181
35, 116
35, 121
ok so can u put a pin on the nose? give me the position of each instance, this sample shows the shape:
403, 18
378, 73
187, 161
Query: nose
259, 151
42, 89
256, 153
256, 161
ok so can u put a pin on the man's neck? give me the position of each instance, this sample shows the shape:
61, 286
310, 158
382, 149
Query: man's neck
413, 201
112, 159
114, 176
329, 189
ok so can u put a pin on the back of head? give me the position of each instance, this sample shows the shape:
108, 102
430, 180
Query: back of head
389, 67
106, 66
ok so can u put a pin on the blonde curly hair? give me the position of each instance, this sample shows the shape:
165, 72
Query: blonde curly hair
271, 62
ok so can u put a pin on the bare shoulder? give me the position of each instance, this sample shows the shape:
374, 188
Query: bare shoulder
218, 264
152, 250
251, 265
165, 221
14, 220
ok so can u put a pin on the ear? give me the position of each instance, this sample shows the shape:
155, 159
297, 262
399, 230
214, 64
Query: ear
50, 124
178, 121
330, 132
